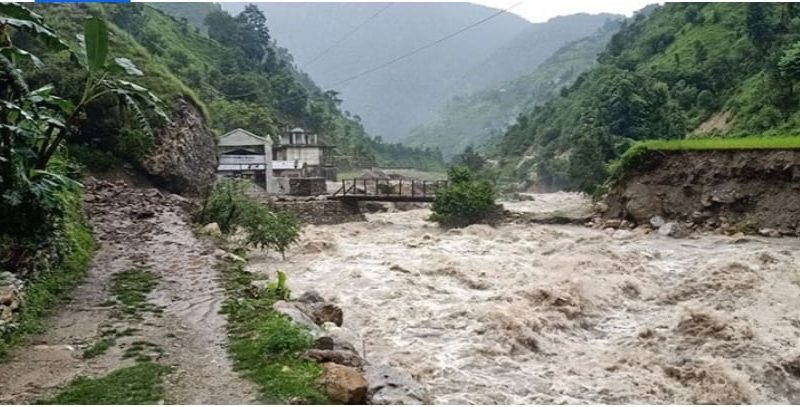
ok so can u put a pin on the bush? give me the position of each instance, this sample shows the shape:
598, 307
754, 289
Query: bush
229, 206
273, 230
465, 200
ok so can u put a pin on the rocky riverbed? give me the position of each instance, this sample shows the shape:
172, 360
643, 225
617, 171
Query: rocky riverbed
532, 313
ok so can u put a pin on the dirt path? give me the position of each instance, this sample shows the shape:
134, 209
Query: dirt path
137, 229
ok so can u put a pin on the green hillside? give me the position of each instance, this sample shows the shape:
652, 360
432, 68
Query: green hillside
476, 118
684, 70
232, 70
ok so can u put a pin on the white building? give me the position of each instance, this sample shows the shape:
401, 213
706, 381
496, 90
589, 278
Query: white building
243, 154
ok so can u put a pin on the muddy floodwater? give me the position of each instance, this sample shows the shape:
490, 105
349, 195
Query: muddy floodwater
562, 314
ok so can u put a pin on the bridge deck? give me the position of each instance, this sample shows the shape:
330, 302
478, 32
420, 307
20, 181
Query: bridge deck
382, 198
387, 190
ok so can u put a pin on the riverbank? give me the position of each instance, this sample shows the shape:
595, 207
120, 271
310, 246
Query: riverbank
531, 313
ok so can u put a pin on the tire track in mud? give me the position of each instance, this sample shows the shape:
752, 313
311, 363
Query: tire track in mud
137, 228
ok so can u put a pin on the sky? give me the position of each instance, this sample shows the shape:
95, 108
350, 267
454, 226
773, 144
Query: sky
542, 10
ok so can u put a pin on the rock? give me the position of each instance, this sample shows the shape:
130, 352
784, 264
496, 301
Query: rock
343, 384
324, 343
399, 268
600, 207
387, 385
613, 223
212, 229
340, 357
622, 234
257, 287
299, 317
673, 229
657, 221
185, 157
769, 232
310, 297
233, 258
327, 312
342, 338
8, 295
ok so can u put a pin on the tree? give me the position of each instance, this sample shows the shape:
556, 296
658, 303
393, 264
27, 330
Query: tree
758, 27
35, 123
465, 200
470, 159
273, 230
789, 64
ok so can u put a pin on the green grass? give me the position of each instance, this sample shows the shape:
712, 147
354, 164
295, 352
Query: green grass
633, 155
130, 289
54, 283
98, 348
266, 345
139, 384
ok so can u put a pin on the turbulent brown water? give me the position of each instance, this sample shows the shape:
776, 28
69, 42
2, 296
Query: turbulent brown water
562, 314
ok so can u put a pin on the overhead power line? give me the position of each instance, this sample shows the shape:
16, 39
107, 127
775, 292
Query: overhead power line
345, 37
422, 48
406, 55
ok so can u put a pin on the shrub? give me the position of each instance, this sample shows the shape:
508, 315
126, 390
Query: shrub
229, 206
465, 200
273, 230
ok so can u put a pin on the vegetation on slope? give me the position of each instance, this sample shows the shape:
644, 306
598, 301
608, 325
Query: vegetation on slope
476, 118
640, 149
722, 69
249, 81
266, 345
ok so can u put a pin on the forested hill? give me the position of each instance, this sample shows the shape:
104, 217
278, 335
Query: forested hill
395, 99
234, 72
478, 117
686, 69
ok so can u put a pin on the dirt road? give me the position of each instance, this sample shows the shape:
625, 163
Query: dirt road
179, 325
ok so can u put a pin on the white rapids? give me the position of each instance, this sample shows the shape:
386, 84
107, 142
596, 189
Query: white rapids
561, 314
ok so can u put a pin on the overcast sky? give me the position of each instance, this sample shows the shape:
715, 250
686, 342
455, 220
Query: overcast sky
542, 10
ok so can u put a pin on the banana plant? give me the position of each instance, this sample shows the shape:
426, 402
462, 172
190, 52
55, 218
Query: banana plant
101, 81
35, 123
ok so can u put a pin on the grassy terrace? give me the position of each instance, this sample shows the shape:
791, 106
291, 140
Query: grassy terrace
636, 151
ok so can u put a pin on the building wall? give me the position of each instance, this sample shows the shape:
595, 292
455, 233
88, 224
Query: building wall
311, 156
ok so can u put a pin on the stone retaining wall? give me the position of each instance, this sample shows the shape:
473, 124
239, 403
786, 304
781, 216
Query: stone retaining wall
322, 211
314, 186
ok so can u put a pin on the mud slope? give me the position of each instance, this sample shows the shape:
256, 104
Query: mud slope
138, 229
732, 190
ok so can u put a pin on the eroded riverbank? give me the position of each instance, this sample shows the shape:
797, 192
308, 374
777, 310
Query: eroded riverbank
562, 314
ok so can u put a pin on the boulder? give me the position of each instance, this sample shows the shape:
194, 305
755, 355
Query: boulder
184, 159
387, 385
257, 287
212, 229
340, 357
299, 317
657, 221
233, 258
343, 384
342, 338
309, 297
673, 229
8, 296
327, 312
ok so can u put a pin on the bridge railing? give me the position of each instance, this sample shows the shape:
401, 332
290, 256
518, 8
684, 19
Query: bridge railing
386, 187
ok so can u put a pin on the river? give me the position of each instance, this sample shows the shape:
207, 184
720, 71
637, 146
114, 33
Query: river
561, 314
